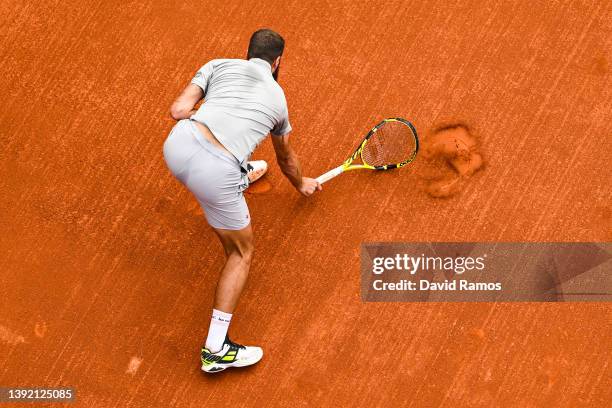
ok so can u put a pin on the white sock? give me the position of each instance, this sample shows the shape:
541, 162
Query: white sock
219, 324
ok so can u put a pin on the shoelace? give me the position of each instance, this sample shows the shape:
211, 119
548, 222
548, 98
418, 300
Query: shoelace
232, 344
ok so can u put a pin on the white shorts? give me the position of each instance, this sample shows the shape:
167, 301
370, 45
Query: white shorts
216, 179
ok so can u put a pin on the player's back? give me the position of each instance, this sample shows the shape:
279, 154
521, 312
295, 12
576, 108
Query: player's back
242, 102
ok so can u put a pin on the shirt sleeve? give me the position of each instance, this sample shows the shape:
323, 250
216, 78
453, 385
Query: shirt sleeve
283, 126
203, 75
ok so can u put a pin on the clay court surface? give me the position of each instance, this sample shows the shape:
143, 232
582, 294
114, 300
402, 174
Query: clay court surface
108, 267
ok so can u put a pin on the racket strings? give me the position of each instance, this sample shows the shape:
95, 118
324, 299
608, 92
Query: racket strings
392, 143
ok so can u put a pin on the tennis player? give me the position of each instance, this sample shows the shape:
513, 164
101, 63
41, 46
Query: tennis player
208, 151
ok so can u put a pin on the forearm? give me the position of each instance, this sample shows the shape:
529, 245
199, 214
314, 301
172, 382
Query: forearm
290, 166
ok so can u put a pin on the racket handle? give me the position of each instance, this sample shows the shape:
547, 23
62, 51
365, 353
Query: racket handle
330, 174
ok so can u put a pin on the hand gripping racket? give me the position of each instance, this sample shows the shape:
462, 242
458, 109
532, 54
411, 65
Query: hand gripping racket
391, 144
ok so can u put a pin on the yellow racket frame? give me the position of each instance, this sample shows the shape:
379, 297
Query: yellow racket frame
347, 165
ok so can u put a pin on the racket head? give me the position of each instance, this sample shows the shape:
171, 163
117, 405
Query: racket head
390, 144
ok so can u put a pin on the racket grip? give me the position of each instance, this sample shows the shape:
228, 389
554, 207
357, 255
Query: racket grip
330, 174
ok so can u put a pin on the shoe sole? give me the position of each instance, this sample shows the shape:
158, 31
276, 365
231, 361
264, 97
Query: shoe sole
257, 174
216, 368
212, 370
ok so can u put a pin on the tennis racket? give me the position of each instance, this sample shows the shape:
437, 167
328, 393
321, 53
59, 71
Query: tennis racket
391, 144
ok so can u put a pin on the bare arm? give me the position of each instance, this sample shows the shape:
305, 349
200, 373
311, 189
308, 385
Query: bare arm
290, 166
183, 106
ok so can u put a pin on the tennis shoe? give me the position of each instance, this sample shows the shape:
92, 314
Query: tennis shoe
256, 169
230, 355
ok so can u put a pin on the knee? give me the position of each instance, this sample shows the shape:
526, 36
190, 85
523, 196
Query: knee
245, 252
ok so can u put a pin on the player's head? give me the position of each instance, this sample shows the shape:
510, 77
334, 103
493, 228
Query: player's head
267, 45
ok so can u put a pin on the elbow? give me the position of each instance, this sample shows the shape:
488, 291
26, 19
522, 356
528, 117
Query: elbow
174, 113
177, 112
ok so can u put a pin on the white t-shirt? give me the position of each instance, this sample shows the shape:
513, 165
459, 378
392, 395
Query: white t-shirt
242, 103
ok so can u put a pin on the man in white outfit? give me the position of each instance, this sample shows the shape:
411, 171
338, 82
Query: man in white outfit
208, 151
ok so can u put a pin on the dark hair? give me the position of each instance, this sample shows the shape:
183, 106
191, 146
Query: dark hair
266, 44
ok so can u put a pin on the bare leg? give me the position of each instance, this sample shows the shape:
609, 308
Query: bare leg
220, 352
238, 246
